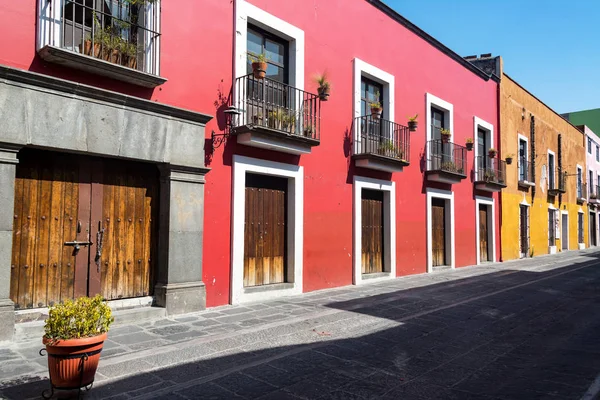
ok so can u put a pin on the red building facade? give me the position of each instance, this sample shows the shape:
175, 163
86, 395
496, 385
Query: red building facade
302, 194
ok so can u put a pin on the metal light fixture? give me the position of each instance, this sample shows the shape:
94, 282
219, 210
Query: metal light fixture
231, 114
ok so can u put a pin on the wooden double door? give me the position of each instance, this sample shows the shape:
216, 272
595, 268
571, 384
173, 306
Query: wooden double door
372, 232
265, 230
438, 232
82, 226
484, 242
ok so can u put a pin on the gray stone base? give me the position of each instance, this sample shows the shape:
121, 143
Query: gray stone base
7, 319
181, 298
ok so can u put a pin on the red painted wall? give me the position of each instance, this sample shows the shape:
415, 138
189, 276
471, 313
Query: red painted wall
196, 57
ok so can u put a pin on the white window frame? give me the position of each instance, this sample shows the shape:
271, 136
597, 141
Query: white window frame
590, 184
564, 212
363, 69
295, 229
246, 13
49, 30
581, 245
491, 223
526, 204
526, 140
556, 184
446, 107
597, 153
448, 196
552, 249
389, 227
595, 213
489, 128
589, 146
579, 171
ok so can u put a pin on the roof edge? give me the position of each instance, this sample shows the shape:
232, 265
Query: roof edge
380, 5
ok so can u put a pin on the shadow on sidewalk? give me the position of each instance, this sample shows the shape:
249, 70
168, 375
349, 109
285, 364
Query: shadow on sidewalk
455, 340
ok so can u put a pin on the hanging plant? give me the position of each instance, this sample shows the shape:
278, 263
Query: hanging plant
324, 86
413, 123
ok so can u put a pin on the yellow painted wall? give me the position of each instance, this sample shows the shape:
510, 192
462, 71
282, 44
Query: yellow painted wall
548, 124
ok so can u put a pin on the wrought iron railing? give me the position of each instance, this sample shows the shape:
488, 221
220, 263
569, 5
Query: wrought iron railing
118, 31
446, 157
581, 190
381, 137
491, 170
525, 170
594, 191
557, 185
275, 105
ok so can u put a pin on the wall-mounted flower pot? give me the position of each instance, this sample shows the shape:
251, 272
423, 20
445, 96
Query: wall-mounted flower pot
376, 112
412, 126
469, 146
445, 138
509, 160
492, 154
323, 93
259, 69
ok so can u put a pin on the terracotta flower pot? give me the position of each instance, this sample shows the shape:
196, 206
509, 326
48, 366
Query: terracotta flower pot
445, 138
412, 126
323, 93
259, 69
86, 47
115, 56
64, 361
376, 112
492, 155
508, 160
469, 146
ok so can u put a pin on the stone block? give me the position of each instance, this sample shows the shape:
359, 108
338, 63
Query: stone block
185, 257
7, 319
104, 128
181, 298
187, 145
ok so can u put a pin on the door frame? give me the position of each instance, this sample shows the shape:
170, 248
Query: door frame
295, 228
521, 253
491, 223
448, 197
389, 227
595, 214
562, 237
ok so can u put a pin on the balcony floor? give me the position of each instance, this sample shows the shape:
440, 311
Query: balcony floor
273, 139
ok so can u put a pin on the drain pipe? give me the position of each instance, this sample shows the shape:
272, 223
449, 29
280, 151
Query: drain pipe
498, 134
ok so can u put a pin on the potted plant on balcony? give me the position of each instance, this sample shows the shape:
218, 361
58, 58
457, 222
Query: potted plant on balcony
75, 332
509, 159
492, 152
128, 54
413, 123
445, 135
324, 87
309, 130
259, 65
375, 105
469, 143
489, 175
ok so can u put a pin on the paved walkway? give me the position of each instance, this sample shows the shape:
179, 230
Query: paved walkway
525, 329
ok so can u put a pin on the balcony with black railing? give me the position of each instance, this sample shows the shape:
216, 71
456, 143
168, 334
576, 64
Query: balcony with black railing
381, 144
490, 173
526, 178
558, 184
114, 38
446, 162
593, 195
581, 193
275, 115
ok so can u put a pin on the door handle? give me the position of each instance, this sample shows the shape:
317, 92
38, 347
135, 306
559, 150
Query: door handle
75, 243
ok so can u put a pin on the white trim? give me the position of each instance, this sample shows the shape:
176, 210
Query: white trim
526, 140
247, 13
579, 168
552, 249
479, 123
295, 175
389, 226
447, 108
490, 203
524, 203
449, 197
581, 245
564, 212
360, 69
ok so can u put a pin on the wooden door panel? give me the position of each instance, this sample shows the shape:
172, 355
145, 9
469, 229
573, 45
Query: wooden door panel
483, 233
438, 222
265, 230
46, 213
372, 232
129, 204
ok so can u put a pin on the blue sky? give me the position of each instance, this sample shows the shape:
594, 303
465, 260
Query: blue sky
551, 47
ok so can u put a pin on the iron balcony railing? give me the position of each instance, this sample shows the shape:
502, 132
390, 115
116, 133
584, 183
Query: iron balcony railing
558, 185
446, 157
594, 191
381, 137
121, 32
525, 171
271, 104
581, 190
491, 170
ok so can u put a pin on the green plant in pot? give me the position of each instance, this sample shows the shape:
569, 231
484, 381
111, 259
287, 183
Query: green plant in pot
375, 105
75, 332
469, 144
492, 152
309, 130
389, 149
445, 133
413, 123
509, 159
259, 65
128, 54
324, 86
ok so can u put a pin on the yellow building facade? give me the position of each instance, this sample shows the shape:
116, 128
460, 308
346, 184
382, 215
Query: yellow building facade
543, 206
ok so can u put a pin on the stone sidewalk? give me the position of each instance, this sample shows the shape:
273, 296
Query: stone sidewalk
476, 332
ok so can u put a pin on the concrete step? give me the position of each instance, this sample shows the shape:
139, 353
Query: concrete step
35, 329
